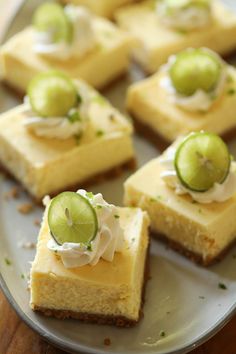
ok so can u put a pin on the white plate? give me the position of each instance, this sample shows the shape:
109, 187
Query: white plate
182, 299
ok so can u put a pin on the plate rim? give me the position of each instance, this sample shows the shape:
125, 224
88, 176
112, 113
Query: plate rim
57, 342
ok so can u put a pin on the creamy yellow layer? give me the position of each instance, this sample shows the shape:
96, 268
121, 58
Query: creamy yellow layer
45, 165
150, 103
118, 283
19, 63
157, 42
205, 229
101, 7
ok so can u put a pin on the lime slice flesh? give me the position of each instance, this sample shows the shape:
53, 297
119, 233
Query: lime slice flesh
52, 94
201, 160
71, 218
195, 69
51, 18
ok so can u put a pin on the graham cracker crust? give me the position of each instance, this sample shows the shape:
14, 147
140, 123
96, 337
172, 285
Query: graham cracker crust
194, 257
114, 172
145, 131
118, 321
159, 141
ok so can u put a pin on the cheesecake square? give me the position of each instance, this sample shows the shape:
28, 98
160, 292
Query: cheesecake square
202, 232
106, 293
104, 8
157, 42
19, 63
48, 165
161, 120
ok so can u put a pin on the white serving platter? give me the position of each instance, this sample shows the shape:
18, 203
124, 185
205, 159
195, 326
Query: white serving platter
182, 299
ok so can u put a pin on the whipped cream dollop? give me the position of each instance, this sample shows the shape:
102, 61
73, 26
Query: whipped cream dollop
58, 127
183, 16
200, 100
84, 38
220, 192
109, 238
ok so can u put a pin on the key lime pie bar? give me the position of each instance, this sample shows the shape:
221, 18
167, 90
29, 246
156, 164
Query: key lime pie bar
90, 260
70, 39
101, 7
195, 90
65, 134
189, 193
165, 27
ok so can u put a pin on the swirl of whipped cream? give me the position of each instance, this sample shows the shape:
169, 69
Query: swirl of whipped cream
184, 16
200, 100
84, 38
57, 127
109, 238
220, 192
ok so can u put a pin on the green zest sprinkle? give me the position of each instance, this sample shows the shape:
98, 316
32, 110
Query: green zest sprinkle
213, 97
162, 333
99, 100
201, 111
181, 31
22, 276
159, 197
7, 261
201, 297
116, 216
99, 206
231, 91
78, 138
89, 247
74, 116
194, 202
222, 286
89, 195
79, 98
100, 133
112, 117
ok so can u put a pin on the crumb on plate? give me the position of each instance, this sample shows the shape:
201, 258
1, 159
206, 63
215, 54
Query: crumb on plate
25, 208
107, 341
12, 193
37, 222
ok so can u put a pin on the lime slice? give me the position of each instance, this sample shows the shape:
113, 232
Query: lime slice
71, 218
52, 94
51, 18
201, 160
195, 69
